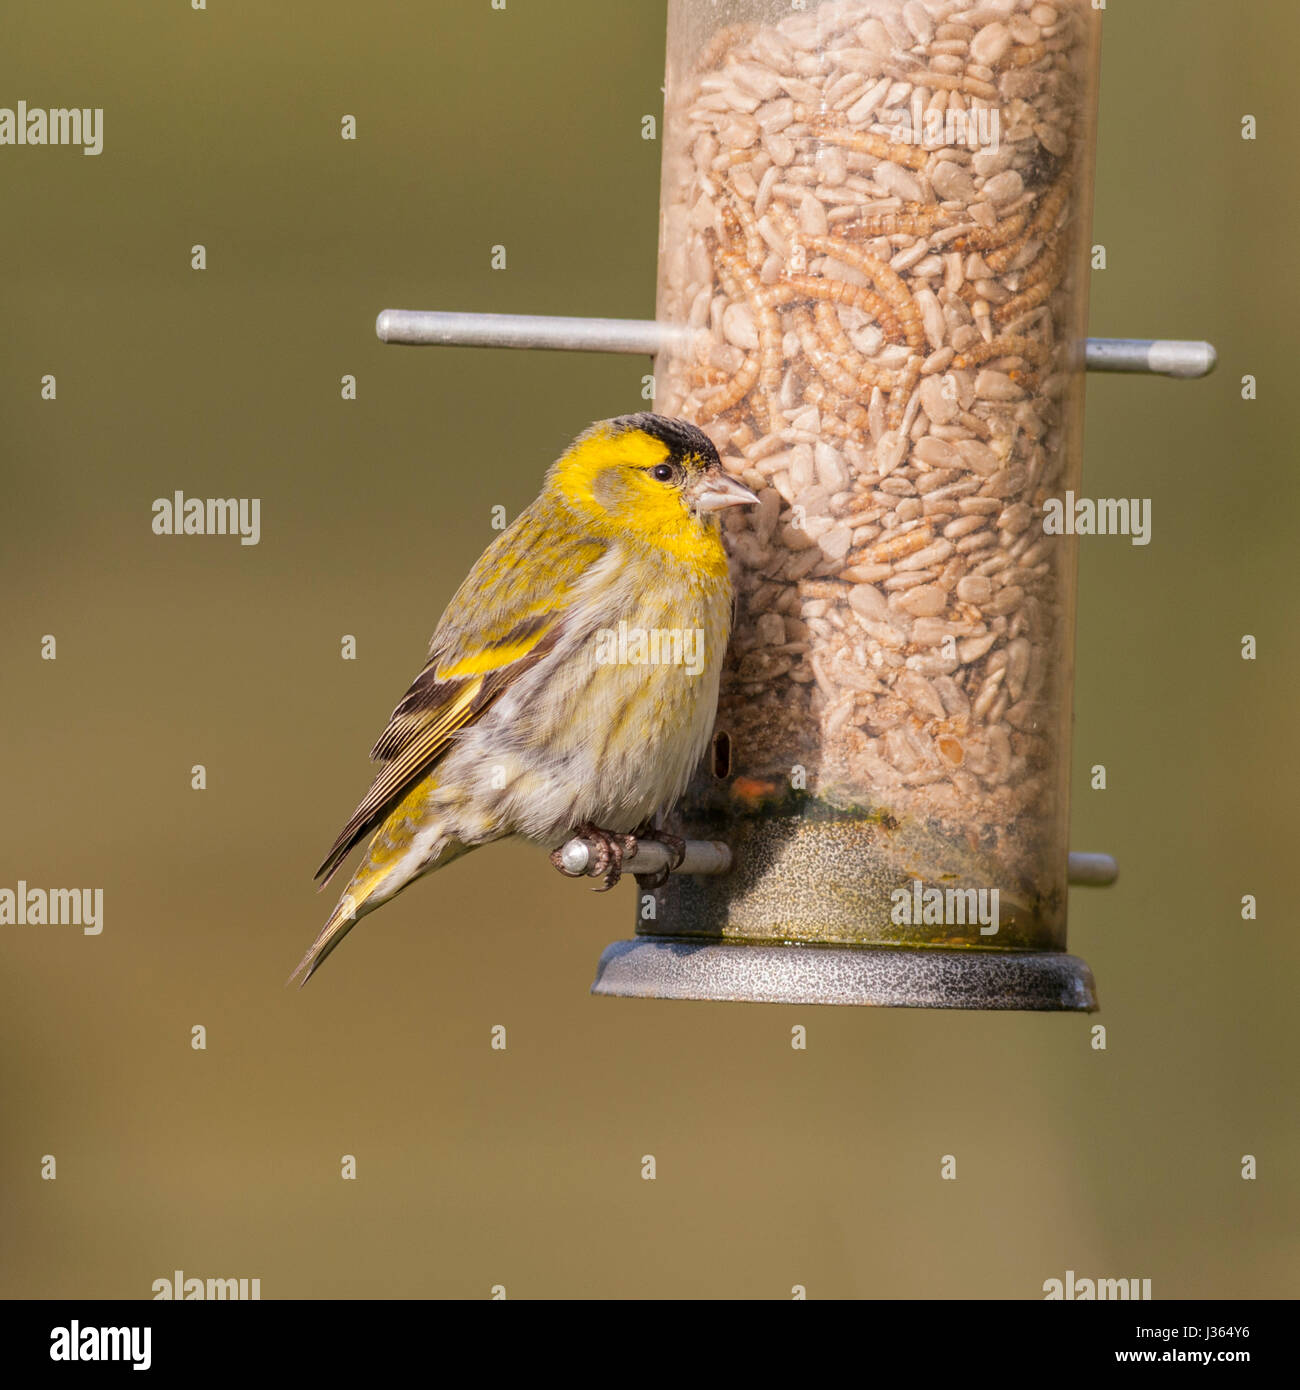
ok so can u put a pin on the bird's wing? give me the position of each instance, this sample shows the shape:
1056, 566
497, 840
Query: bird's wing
506, 616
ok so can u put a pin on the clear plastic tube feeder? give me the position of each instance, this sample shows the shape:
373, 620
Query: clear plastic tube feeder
876, 214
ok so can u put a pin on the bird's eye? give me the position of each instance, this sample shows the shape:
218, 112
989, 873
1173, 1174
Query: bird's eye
663, 472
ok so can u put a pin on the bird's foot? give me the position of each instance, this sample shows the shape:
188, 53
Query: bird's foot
673, 843
611, 849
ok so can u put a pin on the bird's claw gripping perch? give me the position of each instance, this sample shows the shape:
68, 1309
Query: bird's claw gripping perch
673, 843
646, 853
611, 850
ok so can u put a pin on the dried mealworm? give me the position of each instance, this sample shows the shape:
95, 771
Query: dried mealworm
912, 157
840, 416
904, 389
745, 285
1031, 349
901, 307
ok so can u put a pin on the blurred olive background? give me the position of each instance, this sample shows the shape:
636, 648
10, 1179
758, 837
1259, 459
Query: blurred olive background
523, 1168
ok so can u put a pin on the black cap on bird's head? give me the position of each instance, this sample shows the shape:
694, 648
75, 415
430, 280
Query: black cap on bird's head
686, 443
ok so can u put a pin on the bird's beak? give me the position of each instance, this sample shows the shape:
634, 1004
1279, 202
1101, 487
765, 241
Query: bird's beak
716, 490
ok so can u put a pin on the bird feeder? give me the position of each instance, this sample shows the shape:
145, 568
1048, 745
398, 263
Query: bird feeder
873, 273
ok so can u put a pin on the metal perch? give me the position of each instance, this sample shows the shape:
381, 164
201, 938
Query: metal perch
713, 857
702, 857
646, 337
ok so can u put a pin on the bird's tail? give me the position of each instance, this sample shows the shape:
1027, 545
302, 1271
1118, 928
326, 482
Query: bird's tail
376, 880
348, 911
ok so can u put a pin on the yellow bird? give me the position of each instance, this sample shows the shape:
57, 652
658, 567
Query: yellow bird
572, 682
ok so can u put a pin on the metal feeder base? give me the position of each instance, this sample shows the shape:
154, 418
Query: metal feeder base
932, 977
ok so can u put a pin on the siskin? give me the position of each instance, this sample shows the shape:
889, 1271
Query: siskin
534, 715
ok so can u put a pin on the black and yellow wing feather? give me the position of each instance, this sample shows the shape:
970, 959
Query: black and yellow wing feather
507, 615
